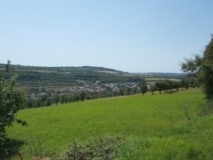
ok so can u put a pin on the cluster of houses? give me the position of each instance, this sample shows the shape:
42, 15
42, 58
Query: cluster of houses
96, 87
34, 96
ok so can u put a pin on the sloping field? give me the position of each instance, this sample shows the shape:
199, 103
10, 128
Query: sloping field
162, 121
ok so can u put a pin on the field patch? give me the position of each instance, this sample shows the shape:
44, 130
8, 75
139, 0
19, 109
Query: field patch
52, 129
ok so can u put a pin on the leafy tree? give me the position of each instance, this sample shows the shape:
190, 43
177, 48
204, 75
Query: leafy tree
201, 68
128, 90
193, 83
184, 84
176, 85
159, 86
152, 88
48, 102
82, 95
115, 94
121, 91
89, 97
76, 96
70, 98
38, 103
63, 98
143, 87
134, 90
11, 99
57, 99
66, 99
167, 85
30, 103
44, 97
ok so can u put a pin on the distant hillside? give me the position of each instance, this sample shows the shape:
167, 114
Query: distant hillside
61, 69
67, 76
36, 76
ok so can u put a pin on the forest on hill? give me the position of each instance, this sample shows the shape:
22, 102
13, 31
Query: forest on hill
67, 76
35, 76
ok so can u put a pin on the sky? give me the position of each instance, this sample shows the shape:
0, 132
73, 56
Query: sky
126, 35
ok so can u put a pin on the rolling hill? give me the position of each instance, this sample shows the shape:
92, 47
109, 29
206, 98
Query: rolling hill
36, 76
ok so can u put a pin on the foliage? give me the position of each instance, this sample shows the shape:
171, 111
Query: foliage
57, 99
82, 95
63, 98
200, 67
152, 88
121, 91
168, 86
143, 87
103, 148
11, 99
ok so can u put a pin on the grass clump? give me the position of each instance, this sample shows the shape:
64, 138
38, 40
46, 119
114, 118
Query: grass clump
103, 148
154, 148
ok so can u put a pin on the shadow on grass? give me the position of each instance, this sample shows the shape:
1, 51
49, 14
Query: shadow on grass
11, 149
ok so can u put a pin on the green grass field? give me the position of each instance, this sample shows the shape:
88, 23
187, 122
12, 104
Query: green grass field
165, 126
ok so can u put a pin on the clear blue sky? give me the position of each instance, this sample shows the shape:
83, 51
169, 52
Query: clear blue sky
127, 35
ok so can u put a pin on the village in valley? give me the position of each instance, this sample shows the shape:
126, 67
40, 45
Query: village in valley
83, 85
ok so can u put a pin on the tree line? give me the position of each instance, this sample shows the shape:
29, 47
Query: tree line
166, 86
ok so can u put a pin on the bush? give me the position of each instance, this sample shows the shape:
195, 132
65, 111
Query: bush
11, 100
99, 149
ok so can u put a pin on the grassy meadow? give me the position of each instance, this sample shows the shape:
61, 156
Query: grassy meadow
160, 126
